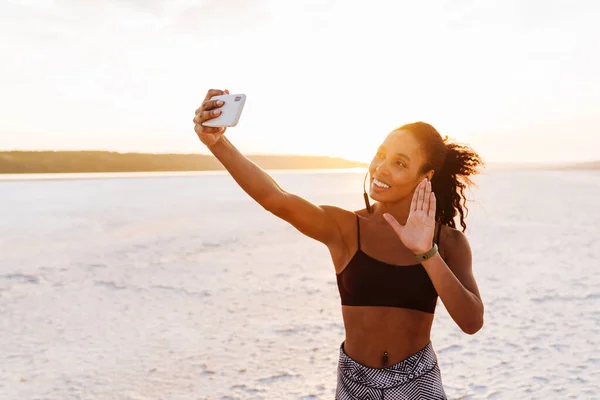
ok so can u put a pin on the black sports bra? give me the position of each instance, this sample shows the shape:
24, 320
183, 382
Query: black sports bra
367, 281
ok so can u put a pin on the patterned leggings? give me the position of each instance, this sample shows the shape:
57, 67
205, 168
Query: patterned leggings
416, 377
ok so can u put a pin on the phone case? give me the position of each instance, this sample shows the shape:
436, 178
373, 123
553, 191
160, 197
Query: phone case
230, 111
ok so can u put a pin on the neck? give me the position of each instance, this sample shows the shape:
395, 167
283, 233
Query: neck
398, 210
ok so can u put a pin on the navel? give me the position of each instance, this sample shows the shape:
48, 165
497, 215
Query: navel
384, 358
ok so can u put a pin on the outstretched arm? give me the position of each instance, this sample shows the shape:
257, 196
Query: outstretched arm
314, 221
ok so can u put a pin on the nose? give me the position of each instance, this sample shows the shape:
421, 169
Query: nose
381, 169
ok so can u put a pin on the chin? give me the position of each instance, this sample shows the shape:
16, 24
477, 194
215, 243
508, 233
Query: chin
374, 196
390, 196
382, 197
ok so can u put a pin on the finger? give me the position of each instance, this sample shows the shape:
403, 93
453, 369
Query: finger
200, 130
413, 203
427, 196
393, 223
209, 105
421, 191
431, 213
213, 92
206, 115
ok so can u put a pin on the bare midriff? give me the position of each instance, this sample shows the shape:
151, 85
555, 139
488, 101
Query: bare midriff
382, 336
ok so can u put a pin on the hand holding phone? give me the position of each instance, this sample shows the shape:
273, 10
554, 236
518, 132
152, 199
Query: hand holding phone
231, 110
218, 111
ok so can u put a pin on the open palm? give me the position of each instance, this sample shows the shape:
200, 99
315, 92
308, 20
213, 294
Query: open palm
417, 233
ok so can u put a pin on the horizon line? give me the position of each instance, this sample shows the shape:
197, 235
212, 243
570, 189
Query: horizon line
554, 162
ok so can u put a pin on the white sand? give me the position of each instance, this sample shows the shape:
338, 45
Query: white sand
182, 288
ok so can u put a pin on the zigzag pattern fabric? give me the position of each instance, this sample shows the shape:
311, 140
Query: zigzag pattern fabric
417, 377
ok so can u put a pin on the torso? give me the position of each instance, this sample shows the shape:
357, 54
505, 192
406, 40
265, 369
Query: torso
372, 331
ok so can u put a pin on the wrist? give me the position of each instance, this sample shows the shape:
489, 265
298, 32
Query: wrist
421, 250
219, 144
425, 254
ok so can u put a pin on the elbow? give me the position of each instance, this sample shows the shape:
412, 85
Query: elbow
473, 325
275, 204
472, 328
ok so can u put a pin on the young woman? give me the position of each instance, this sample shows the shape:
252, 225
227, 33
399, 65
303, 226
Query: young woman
392, 259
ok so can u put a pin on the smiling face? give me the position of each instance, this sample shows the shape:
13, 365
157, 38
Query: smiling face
395, 170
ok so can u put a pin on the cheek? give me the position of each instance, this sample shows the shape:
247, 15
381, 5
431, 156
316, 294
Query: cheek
403, 179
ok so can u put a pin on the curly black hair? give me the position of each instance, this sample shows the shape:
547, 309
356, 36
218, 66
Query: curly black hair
452, 164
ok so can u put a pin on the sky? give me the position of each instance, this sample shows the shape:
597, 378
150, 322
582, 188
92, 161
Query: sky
517, 80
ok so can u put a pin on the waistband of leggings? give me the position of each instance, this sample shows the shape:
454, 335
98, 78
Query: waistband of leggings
404, 371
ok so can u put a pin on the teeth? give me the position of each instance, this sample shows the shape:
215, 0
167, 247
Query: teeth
381, 184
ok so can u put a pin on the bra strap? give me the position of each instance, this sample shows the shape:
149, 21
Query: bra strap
358, 230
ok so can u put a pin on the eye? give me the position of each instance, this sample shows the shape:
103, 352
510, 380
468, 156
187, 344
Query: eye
401, 164
379, 154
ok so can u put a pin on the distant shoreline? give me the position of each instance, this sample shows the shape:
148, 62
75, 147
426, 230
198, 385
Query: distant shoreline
580, 166
87, 162
78, 176
105, 162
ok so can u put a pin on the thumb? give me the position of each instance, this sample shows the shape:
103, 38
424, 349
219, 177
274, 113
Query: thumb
393, 223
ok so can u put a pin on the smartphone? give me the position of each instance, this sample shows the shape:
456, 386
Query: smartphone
231, 110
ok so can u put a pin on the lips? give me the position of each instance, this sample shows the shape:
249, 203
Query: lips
380, 184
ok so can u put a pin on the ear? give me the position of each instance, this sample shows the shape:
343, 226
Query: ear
429, 175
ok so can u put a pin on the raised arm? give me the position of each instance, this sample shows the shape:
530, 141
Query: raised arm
452, 278
317, 222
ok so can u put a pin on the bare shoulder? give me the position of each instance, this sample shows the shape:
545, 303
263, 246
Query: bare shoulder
335, 211
457, 255
453, 237
345, 219
346, 222
454, 246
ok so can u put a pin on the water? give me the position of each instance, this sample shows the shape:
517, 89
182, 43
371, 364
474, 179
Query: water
182, 288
